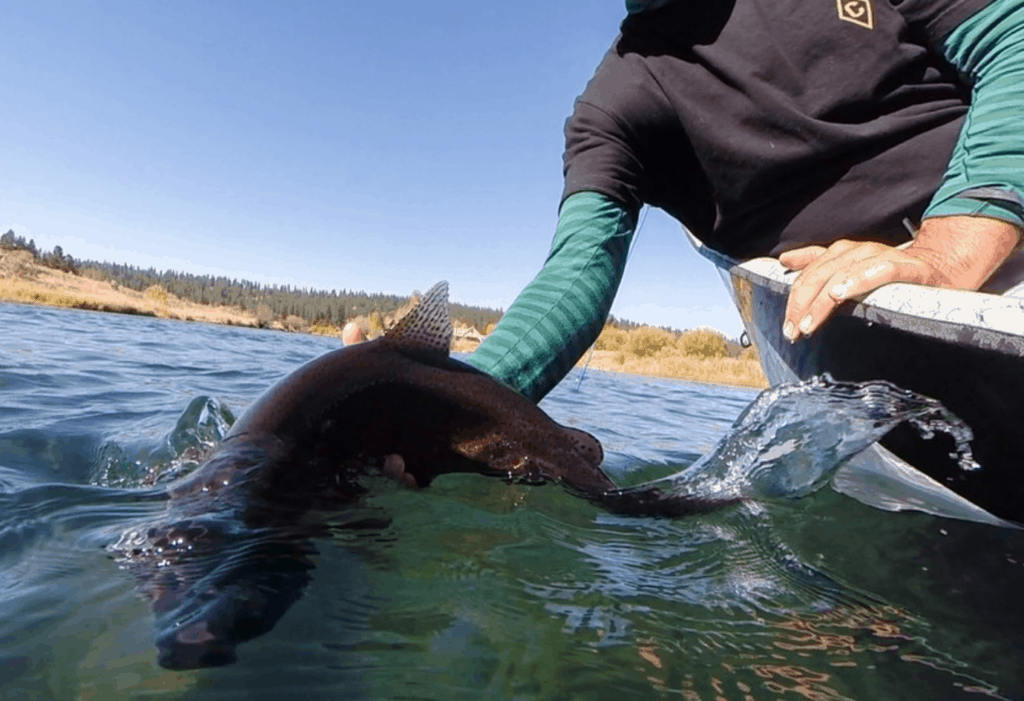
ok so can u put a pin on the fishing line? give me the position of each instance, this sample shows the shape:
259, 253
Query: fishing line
636, 237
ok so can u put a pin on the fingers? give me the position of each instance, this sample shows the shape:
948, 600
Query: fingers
800, 258
845, 270
809, 303
394, 468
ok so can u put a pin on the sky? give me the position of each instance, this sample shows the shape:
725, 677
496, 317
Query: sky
375, 146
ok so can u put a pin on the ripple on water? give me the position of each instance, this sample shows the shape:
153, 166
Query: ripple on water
475, 589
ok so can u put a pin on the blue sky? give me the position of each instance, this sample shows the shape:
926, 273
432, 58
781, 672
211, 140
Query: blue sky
367, 146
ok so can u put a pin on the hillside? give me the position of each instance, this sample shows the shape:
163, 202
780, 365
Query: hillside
56, 279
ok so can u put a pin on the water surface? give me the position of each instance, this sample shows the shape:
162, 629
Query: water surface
473, 588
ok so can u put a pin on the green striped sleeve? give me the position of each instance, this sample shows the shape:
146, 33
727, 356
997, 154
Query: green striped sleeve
562, 311
986, 172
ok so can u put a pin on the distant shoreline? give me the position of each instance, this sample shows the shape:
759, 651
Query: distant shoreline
23, 280
733, 372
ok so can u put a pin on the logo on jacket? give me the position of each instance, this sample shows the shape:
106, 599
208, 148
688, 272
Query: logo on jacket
860, 12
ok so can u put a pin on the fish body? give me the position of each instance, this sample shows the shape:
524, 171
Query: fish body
231, 553
400, 394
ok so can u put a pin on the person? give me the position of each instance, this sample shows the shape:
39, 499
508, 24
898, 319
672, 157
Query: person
809, 130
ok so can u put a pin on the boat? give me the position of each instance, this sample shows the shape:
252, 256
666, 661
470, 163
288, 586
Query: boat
963, 348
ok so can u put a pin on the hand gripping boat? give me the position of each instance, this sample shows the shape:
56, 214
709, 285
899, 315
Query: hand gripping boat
965, 349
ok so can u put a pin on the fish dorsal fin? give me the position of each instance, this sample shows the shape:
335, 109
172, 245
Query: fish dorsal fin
427, 328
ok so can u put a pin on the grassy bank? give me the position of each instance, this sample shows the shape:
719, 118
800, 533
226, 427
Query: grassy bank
22, 280
701, 356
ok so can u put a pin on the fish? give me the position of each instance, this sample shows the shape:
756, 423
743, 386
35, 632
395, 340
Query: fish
234, 549
402, 394
304, 446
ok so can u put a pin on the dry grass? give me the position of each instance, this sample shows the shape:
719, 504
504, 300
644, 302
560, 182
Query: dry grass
611, 339
718, 371
647, 342
464, 345
700, 355
23, 281
324, 328
694, 355
702, 343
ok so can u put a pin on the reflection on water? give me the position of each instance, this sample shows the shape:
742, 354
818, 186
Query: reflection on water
471, 589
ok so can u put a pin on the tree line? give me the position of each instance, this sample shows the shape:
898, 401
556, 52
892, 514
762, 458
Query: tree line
56, 259
312, 305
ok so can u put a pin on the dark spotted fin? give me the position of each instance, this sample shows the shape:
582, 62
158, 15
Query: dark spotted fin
427, 329
586, 444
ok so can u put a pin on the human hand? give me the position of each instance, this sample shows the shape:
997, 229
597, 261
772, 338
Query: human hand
954, 252
394, 468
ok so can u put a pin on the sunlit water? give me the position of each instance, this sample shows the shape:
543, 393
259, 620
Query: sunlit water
473, 588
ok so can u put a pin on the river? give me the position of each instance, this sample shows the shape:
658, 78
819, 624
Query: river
473, 589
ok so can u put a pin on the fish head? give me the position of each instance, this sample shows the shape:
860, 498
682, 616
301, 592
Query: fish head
541, 452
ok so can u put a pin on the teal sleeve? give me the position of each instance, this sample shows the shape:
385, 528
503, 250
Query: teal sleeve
986, 172
561, 312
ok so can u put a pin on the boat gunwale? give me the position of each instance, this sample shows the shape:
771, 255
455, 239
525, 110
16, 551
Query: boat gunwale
888, 305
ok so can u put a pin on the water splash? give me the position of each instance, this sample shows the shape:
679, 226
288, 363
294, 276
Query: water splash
790, 440
199, 429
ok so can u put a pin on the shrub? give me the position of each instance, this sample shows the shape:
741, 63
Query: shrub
647, 341
749, 354
263, 315
157, 294
17, 264
294, 323
611, 338
703, 343
324, 328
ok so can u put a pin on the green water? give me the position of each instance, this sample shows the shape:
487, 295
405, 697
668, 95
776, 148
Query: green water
474, 589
